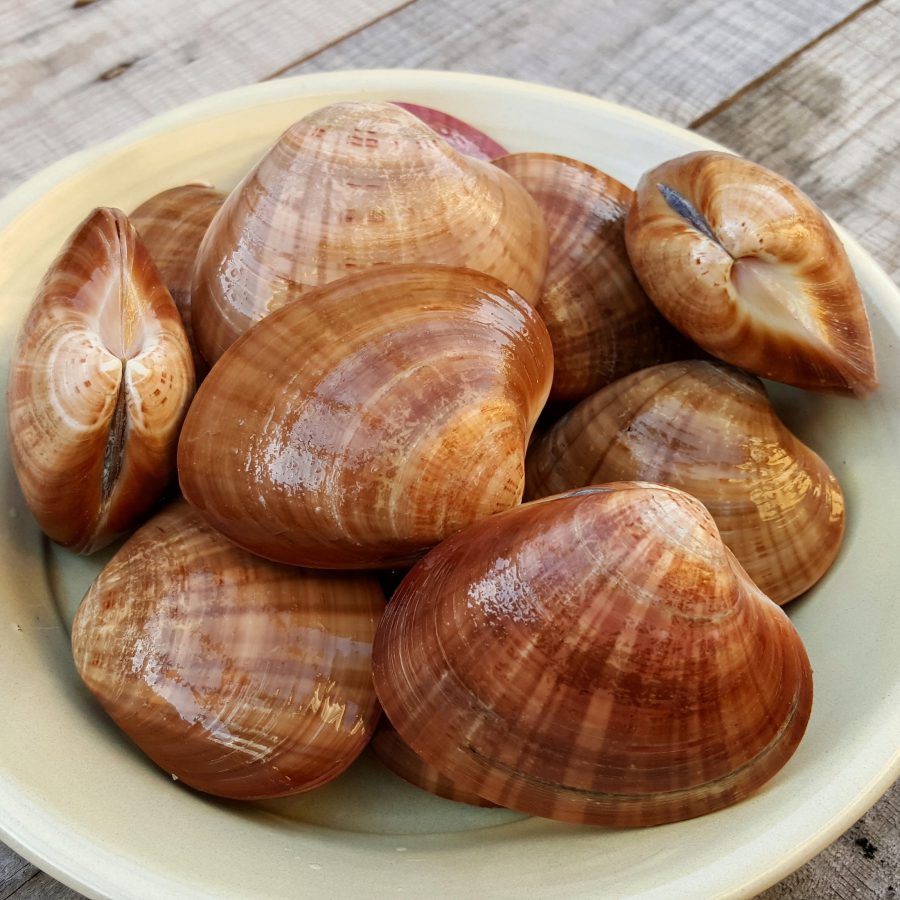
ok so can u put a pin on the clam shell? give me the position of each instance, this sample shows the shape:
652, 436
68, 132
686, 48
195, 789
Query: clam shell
100, 380
596, 657
171, 225
364, 425
601, 323
240, 677
710, 430
743, 263
349, 187
457, 133
402, 760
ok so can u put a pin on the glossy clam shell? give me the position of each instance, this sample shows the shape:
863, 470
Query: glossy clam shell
457, 133
100, 380
743, 263
402, 760
240, 677
710, 430
362, 426
601, 322
349, 187
171, 225
598, 657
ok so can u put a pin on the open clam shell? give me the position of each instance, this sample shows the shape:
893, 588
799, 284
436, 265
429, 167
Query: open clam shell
595, 657
364, 425
100, 380
349, 187
746, 265
710, 430
241, 678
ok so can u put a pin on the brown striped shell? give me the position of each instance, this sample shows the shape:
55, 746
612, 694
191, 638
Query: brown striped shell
743, 263
352, 186
402, 760
596, 657
171, 225
240, 677
362, 426
601, 322
100, 380
710, 430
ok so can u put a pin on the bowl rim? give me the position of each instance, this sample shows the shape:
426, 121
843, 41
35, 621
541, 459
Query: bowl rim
37, 841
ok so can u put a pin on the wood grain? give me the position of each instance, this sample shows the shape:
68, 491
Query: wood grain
94, 71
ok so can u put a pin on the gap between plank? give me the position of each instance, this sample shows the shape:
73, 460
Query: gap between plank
779, 66
339, 40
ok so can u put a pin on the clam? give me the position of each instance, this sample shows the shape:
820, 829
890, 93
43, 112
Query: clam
402, 760
364, 425
100, 380
349, 187
595, 657
710, 430
239, 677
457, 133
746, 265
601, 323
171, 225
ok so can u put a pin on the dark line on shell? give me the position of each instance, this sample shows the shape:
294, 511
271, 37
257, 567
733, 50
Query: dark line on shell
684, 208
115, 443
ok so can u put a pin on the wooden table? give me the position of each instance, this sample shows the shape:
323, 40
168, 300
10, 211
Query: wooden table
810, 88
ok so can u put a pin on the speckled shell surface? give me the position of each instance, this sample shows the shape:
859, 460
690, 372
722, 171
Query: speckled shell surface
171, 225
710, 430
597, 657
362, 426
352, 186
402, 760
601, 322
100, 379
746, 265
241, 678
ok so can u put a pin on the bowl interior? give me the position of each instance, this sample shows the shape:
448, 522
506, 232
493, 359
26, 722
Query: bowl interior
78, 798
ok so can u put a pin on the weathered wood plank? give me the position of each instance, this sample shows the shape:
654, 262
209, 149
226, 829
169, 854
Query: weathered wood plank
830, 121
14, 872
70, 77
668, 58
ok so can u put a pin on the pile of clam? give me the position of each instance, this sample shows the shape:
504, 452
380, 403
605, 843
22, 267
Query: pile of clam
344, 360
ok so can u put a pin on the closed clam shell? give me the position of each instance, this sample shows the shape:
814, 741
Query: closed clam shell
747, 266
352, 186
241, 678
172, 224
100, 379
402, 760
710, 430
459, 134
597, 657
601, 322
362, 426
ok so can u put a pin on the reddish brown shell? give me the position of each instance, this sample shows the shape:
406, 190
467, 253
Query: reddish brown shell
596, 657
601, 322
710, 430
100, 380
746, 265
402, 760
240, 677
171, 225
362, 426
349, 187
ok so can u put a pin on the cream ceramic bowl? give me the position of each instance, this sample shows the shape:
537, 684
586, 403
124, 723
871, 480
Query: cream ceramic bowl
77, 799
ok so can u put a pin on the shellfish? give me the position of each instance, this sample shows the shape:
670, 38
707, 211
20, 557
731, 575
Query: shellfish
240, 677
387, 411
710, 430
100, 380
601, 323
595, 657
349, 187
747, 266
